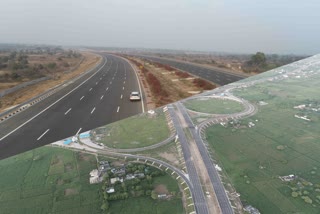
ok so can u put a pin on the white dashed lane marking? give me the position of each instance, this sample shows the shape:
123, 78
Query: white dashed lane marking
67, 111
43, 134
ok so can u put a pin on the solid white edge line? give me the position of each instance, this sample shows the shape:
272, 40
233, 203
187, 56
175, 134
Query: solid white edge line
78, 131
53, 103
118, 109
43, 134
138, 80
67, 111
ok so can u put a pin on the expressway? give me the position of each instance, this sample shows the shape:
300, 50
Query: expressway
97, 98
214, 75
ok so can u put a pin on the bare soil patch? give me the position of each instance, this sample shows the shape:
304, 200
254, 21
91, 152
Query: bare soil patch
118, 163
170, 157
174, 85
60, 181
161, 189
29, 92
70, 191
84, 157
68, 167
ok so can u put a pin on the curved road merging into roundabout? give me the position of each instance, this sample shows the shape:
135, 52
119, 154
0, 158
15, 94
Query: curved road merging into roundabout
99, 97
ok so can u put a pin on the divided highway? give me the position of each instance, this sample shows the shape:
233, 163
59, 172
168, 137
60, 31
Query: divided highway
97, 98
214, 75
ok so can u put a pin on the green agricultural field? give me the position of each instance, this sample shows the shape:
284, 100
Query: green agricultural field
146, 204
279, 144
55, 180
134, 132
214, 106
48, 180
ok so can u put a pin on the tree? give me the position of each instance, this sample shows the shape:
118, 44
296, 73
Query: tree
258, 59
52, 65
105, 206
154, 195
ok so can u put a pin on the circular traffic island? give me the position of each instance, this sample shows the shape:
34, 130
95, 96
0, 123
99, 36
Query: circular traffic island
214, 105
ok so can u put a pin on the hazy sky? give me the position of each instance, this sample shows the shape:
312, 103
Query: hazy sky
272, 26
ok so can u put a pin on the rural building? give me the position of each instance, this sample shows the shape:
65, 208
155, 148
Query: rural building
118, 171
110, 190
114, 180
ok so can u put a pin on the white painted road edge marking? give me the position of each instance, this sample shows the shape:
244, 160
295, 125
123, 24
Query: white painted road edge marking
118, 109
107, 89
90, 89
67, 111
124, 82
142, 102
78, 131
122, 88
43, 134
93, 110
121, 96
53, 103
81, 97
101, 97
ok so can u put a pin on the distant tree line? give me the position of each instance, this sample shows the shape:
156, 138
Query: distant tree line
261, 62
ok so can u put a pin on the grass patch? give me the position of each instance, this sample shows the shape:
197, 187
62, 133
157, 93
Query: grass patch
148, 205
135, 132
36, 182
279, 144
214, 106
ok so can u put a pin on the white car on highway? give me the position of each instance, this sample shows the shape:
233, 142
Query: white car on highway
135, 96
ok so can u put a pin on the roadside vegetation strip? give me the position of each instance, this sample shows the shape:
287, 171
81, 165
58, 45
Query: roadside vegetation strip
164, 84
7, 114
135, 132
32, 92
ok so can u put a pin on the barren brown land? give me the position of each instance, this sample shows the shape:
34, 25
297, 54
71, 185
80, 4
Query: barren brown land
163, 84
22, 95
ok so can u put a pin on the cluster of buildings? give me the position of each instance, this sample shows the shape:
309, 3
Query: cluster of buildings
96, 175
308, 107
119, 174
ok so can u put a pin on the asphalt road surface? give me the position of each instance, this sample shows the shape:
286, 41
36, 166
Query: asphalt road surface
198, 195
219, 190
214, 75
98, 98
